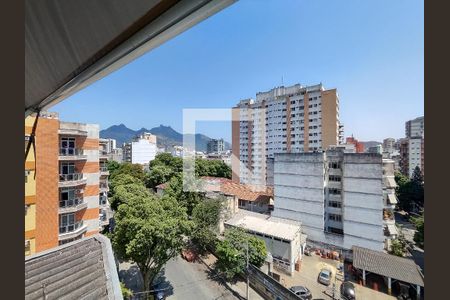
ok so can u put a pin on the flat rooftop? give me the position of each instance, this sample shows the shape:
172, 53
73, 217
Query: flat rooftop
267, 225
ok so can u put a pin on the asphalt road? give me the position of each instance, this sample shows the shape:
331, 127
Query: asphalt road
183, 280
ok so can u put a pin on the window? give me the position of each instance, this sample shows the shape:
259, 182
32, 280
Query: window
66, 223
334, 178
242, 203
334, 191
336, 218
334, 204
67, 168
68, 144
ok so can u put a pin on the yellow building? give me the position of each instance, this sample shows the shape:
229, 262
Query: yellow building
30, 191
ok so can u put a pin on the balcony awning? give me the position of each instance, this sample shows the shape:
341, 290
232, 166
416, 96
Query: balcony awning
392, 229
390, 182
392, 199
71, 44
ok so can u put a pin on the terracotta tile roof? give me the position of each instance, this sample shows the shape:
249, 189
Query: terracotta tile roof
228, 187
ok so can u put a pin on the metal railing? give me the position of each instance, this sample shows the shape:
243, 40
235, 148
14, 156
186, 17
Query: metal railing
70, 151
70, 177
103, 185
70, 227
70, 202
103, 169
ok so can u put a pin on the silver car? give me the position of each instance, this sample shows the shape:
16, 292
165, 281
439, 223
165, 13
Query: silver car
325, 276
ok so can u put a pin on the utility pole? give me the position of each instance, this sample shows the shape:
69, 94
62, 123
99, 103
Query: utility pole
248, 276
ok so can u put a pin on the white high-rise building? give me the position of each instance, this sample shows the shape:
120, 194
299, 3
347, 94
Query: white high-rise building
290, 119
141, 150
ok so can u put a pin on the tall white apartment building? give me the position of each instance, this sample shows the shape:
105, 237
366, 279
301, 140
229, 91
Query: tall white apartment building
141, 150
412, 148
338, 197
290, 119
415, 128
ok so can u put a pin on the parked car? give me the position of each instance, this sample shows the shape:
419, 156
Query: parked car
348, 291
302, 292
325, 276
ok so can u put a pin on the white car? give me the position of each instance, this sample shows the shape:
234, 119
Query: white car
325, 276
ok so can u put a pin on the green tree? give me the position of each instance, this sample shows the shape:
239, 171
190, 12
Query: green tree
187, 199
125, 192
232, 252
419, 235
166, 159
215, 168
112, 165
410, 192
398, 246
150, 232
206, 217
122, 179
134, 170
126, 292
157, 175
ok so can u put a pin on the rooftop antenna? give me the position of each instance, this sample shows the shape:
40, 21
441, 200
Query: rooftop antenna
282, 82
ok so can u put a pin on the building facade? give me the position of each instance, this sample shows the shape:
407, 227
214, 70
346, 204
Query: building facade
389, 145
283, 238
337, 196
65, 179
412, 148
415, 128
283, 120
216, 146
141, 150
359, 147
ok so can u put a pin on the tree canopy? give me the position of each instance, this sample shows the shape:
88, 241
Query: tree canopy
410, 192
134, 170
206, 217
158, 174
150, 232
419, 235
232, 252
187, 199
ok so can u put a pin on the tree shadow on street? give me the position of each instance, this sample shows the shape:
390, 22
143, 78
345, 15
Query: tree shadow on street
213, 275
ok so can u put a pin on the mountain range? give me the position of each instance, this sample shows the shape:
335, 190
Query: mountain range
167, 137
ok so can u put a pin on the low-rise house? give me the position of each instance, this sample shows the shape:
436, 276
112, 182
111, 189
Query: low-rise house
284, 239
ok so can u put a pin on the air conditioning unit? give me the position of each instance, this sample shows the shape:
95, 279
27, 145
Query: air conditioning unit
27, 243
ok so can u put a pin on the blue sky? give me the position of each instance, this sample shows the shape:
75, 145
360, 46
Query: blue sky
371, 51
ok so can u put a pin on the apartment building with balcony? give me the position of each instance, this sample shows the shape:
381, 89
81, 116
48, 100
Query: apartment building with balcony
215, 146
105, 212
67, 181
290, 119
337, 196
389, 202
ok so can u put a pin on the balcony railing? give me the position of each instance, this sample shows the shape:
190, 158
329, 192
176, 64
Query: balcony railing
70, 152
70, 177
103, 169
70, 227
70, 202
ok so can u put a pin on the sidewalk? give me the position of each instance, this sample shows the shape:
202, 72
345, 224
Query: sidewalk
239, 287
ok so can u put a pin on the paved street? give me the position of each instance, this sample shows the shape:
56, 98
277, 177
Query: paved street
183, 280
191, 281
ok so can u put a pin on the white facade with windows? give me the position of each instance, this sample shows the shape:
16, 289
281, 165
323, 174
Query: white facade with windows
141, 150
337, 196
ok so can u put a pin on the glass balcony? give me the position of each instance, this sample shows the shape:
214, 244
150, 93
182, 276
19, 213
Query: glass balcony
71, 179
71, 227
71, 154
104, 170
70, 202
